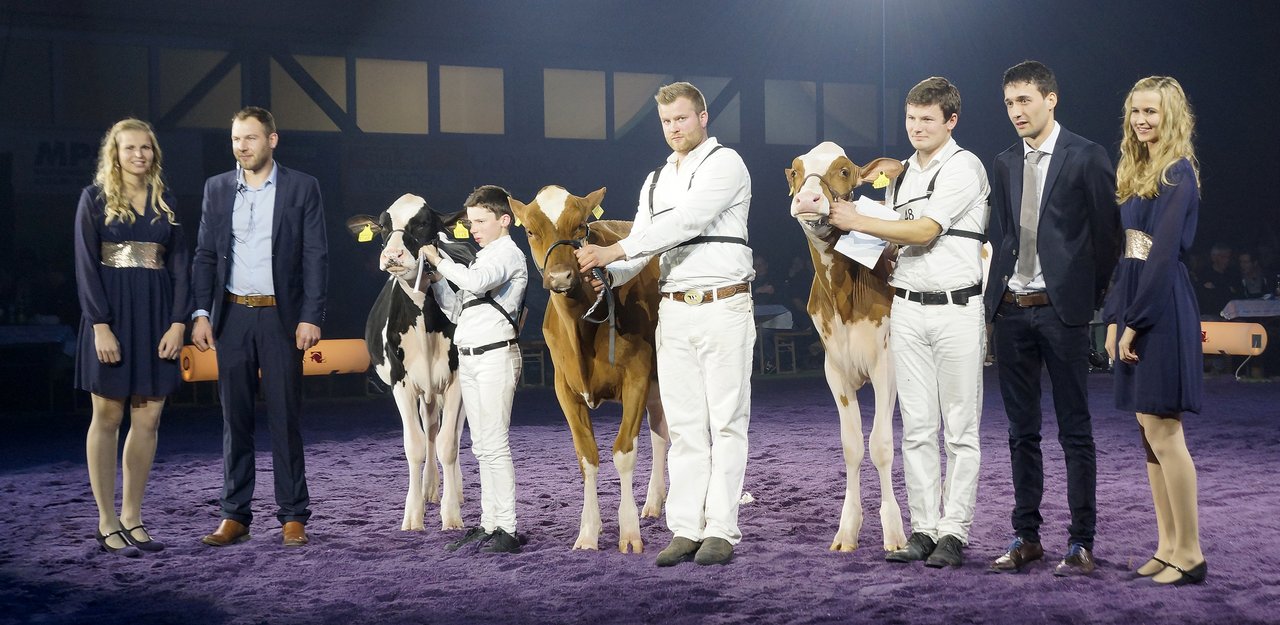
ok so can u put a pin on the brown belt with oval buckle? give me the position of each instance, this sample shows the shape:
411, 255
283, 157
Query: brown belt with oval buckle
252, 301
693, 298
1026, 300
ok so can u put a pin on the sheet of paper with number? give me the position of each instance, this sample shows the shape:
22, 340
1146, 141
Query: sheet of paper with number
865, 249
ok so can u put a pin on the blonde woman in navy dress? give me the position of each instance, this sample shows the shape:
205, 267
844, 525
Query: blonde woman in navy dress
1152, 308
132, 278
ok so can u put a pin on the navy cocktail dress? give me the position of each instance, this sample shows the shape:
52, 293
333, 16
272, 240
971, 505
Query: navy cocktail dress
139, 303
1155, 297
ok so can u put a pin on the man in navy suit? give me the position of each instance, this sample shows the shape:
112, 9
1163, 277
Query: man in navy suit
260, 275
1055, 237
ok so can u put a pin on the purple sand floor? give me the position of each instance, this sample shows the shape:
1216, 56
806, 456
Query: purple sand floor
360, 568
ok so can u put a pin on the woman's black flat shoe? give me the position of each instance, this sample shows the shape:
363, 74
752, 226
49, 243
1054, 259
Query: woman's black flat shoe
150, 544
128, 550
1195, 575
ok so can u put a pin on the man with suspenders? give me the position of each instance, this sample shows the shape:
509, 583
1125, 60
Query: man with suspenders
937, 325
693, 215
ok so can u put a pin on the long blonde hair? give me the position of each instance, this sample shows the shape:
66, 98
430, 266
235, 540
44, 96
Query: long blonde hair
1145, 166
110, 180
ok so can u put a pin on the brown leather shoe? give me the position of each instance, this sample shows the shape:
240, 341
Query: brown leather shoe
1079, 561
229, 532
295, 534
1020, 554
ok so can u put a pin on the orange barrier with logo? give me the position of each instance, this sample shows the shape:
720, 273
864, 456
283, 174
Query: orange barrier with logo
327, 357
1233, 339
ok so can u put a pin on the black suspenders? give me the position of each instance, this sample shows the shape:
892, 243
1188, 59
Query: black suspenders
653, 184
928, 192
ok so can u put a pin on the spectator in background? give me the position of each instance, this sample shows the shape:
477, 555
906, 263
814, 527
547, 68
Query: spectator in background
1255, 283
1217, 284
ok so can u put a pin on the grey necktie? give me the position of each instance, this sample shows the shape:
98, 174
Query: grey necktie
1030, 217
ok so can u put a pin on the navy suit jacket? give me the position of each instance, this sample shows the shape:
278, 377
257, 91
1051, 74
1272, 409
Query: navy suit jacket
1079, 235
299, 248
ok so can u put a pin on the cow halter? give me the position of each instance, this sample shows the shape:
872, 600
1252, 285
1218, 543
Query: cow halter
604, 295
821, 222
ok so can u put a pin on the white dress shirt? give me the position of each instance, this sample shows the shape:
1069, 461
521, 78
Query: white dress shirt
499, 270
1016, 283
959, 201
715, 204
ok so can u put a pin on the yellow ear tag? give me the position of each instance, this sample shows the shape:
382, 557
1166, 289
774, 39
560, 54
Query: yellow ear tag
518, 224
460, 231
880, 182
597, 212
365, 235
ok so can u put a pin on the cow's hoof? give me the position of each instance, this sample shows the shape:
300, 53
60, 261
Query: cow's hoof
651, 511
844, 546
631, 546
411, 527
592, 545
451, 525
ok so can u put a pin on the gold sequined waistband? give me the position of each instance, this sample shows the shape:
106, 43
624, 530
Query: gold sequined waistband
141, 254
1137, 244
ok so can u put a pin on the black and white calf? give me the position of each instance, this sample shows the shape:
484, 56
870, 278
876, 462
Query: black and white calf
410, 343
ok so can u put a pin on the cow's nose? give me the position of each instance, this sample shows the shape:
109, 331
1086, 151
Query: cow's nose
807, 200
559, 280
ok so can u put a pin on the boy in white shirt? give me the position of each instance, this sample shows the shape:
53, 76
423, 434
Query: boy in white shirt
485, 308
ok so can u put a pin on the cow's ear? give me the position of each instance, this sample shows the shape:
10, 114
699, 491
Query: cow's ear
791, 181
889, 168
359, 223
519, 208
594, 200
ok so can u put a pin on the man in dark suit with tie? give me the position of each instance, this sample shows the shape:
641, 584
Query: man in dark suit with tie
1055, 237
260, 274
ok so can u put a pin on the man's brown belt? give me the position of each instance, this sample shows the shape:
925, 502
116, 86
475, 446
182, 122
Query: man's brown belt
252, 301
694, 298
1026, 300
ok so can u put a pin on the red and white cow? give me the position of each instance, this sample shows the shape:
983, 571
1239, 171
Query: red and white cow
850, 309
595, 362
410, 342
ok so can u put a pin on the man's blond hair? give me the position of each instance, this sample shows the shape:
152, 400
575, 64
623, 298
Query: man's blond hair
669, 93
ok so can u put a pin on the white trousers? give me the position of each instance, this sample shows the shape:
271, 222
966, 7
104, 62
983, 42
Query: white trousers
488, 384
704, 369
937, 357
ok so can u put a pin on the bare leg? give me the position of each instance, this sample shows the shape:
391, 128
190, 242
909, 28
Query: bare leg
139, 454
1164, 514
1169, 446
100, 453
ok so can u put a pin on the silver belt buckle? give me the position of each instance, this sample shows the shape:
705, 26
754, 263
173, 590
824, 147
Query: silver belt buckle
693, 298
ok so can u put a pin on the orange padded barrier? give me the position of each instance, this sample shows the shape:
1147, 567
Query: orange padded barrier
327, 357
1234, 339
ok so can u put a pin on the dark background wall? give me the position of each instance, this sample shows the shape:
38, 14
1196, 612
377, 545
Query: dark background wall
50, 122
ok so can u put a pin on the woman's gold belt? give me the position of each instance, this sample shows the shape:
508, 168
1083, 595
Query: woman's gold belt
143, 254
1137, 244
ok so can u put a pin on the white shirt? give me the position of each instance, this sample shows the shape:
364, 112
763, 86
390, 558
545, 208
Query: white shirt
500, 270
1042, 172
959, 201
715, 204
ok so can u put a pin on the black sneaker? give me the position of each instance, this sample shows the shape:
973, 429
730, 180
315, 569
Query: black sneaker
950, 552
474, 534
501, 542
919, 546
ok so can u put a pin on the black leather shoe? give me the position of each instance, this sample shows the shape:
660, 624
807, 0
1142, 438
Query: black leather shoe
501, 542
919, 546
1079, 561
1020, 554
1194, 575
474, 534
128, 550
680, 550
949, 552
150, 544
